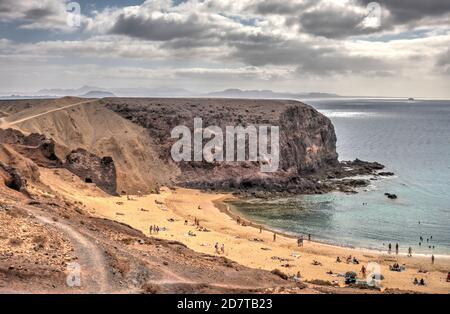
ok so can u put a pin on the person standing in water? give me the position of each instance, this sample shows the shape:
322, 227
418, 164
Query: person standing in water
410, 251
396, 248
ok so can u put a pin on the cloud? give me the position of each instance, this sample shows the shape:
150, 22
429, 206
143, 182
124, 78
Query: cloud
36, 14
335, 21
443, 62
250, 41
411, 10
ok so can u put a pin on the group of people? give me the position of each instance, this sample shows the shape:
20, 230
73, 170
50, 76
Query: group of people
428, 241
154, 229
220, 250
390, 248
420, 282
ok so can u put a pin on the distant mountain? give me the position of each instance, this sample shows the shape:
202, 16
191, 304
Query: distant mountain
69, 92
97, 94
268, 94
161, 91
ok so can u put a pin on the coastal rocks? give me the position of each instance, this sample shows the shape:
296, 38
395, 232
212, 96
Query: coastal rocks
93, 169
308, 158
391, 196
386, 174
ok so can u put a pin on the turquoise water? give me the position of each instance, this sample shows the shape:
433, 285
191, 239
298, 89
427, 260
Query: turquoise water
413, 140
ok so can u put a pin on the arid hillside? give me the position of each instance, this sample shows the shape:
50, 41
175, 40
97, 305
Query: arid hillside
74, 124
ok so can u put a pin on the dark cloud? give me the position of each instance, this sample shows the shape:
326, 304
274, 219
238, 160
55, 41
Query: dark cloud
306, 59
334, 23
279, 7
407, 11
162, 28
39, 13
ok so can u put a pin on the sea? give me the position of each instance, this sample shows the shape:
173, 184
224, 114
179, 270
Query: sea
412, 139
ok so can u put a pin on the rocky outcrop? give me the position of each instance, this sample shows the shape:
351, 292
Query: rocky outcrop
93, 169
307, 143
41, 150
36, 147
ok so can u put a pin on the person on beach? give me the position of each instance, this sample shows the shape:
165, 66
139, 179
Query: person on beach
216, 247
309, 237
238, 220
389, 248
363, 270
186, 222
222, 248
274, 237
338, 259
300, 241
396, 248
410, 251
151, 229
260, 229
432, 259
448, 277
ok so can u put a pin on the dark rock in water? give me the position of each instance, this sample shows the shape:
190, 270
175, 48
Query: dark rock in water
391, 196
386, 174
93, 169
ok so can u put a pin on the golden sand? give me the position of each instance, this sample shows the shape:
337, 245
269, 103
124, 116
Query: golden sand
245, 244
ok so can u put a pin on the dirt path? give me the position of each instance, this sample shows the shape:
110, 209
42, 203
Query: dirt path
93, 265
5, 124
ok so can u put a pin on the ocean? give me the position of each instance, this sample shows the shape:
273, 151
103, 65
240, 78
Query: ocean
412, 139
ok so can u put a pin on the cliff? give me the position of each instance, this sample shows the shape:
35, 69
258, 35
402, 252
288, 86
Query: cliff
307, 141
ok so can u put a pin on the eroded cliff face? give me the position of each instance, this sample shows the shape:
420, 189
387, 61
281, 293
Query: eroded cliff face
307, 139
20, 156
93, 169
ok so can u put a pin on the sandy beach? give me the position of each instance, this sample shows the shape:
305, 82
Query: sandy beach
245, 244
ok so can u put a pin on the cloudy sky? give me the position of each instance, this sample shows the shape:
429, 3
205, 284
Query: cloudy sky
349, 47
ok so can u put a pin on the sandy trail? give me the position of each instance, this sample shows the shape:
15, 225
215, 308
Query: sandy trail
5, 124
94, 268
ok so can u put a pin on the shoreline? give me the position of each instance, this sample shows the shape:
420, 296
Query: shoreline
223, 207
247, 246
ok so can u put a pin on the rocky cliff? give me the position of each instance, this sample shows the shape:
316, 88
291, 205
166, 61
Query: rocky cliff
307, 141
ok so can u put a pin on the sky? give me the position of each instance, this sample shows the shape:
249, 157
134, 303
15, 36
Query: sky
396, 48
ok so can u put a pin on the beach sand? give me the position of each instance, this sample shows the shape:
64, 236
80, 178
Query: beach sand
245, 244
